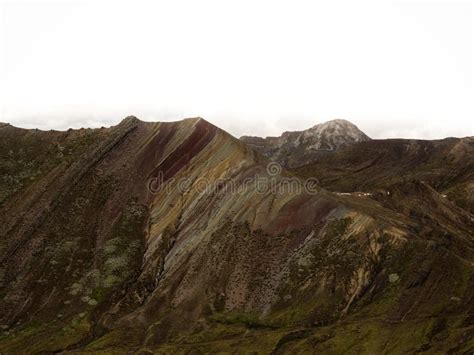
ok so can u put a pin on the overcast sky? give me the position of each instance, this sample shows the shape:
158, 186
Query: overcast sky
396, 69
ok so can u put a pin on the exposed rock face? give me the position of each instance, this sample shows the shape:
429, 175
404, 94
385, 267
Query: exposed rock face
298, 148
149, 237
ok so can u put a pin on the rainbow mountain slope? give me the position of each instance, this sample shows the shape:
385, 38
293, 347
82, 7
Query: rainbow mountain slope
177, 238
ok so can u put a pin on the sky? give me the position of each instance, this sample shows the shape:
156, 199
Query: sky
394, 68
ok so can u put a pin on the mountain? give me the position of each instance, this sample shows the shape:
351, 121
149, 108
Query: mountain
175, 237
298, 148
447, 165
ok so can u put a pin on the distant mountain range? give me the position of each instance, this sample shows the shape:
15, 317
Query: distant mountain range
177, 238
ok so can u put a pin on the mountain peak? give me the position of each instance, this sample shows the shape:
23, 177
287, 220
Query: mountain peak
295, 148
337, 120
340, 127
130, 119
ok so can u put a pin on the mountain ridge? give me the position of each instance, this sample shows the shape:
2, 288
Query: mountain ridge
112, 244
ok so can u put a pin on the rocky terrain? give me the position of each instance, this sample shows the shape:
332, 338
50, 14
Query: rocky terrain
293, 149
447, 165
148, 238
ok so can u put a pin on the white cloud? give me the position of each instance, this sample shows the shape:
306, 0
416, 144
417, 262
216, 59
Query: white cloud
251, 67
